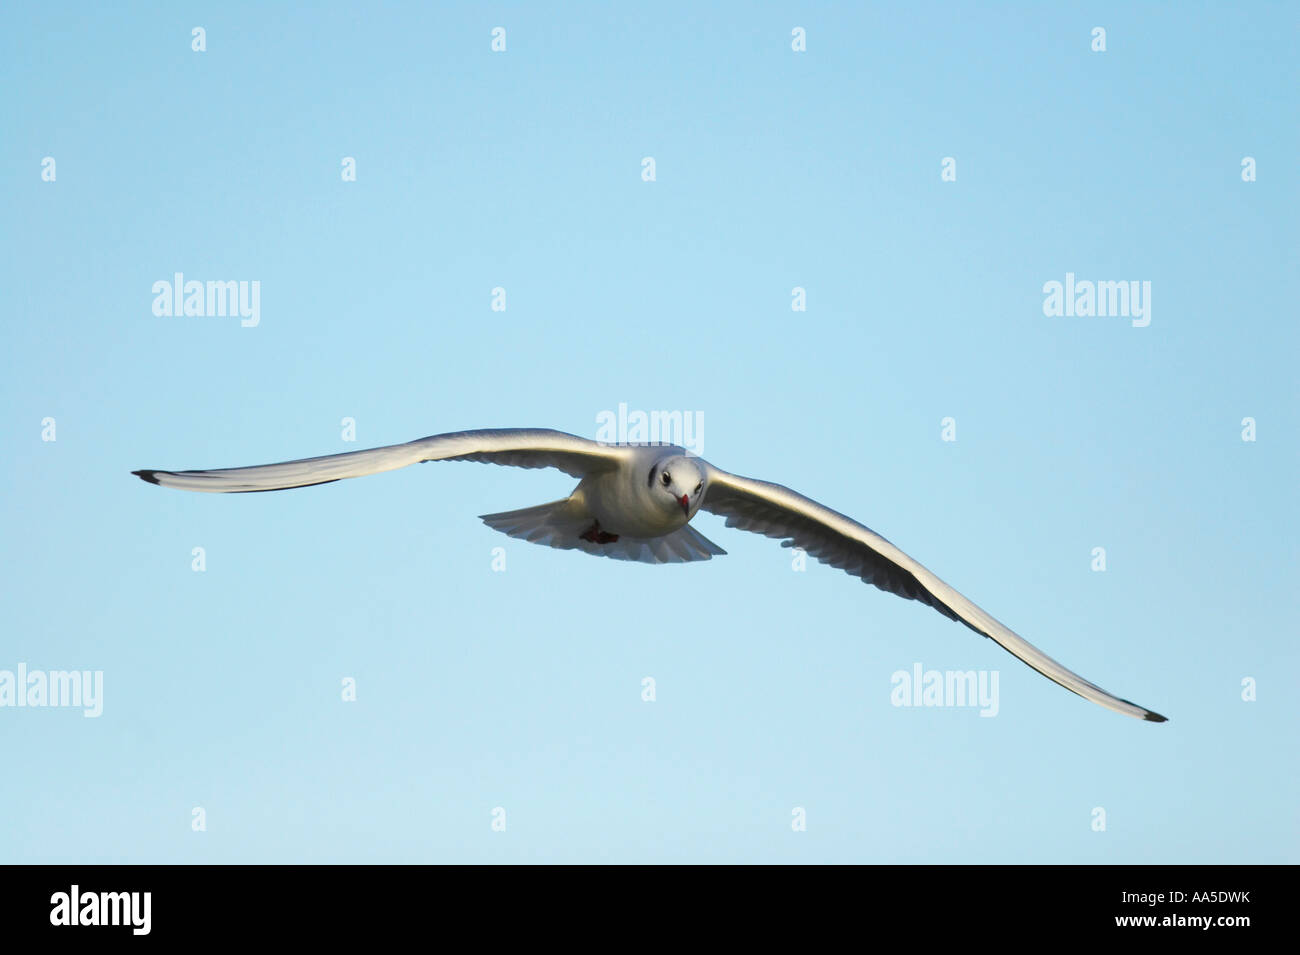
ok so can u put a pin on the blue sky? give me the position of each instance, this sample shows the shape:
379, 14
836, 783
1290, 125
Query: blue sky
774, 170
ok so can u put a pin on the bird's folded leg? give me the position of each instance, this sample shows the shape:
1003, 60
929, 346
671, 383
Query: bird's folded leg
596, 535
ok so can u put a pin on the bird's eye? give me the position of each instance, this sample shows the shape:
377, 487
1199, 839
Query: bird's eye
668, 479
698, 487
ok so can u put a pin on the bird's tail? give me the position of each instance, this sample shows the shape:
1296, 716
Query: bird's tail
563, 523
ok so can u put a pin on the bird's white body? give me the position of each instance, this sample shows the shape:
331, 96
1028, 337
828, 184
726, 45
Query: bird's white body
636, 503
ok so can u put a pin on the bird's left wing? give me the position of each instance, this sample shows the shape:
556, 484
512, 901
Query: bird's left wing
516, 447
776, 511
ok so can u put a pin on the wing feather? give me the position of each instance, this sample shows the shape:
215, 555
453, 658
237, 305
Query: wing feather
776, 511
514, 447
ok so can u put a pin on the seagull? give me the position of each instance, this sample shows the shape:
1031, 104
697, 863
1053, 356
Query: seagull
636, 501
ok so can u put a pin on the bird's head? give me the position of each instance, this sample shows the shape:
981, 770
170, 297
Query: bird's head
677, 483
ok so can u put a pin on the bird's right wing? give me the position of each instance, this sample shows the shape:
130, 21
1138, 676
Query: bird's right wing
516, 447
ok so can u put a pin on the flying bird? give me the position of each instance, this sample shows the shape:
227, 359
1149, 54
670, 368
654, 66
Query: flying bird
636, 502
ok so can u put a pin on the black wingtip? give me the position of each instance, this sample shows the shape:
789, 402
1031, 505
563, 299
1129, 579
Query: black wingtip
150, 476
1155, 718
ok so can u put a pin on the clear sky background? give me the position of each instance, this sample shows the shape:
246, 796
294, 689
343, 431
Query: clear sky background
775, 169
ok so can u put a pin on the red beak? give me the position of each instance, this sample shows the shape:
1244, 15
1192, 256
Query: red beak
686, 504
